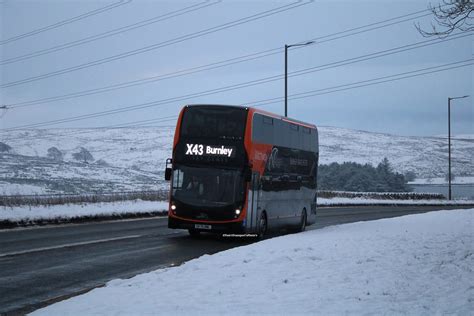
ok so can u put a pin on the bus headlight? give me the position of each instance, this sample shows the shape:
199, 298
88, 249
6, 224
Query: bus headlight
237, 211
173, 207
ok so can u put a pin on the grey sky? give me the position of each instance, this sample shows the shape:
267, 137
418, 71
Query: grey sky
415, 106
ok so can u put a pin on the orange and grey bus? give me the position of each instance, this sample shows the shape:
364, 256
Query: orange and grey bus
240, 170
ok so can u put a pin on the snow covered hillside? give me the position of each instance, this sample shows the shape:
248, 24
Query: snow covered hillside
123, 159
426, 156
412, 265
40, 175
133, 158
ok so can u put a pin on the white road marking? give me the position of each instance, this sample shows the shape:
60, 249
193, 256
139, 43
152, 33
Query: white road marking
90, 242
335, 206
62, 225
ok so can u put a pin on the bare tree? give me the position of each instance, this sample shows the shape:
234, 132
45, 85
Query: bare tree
450, 16
4, 148
55, 154
102, 162
83, 155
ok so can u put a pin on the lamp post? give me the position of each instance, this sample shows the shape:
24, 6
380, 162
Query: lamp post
4, 108
449, 142
286, 71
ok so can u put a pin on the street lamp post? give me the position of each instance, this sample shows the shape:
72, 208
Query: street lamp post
449, 142
286, 71
4, 108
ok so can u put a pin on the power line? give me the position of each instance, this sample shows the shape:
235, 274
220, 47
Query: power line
379, 54
148, 121
123, 29
310, 93
165, 17
362, 83
369, 82
245, 84
344, 87
178, 98
180, 39
141, 123
128, 84
153, 120
65, 22
317, 92
223, 63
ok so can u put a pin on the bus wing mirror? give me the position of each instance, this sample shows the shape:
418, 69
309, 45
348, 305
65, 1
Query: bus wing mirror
168, 169
168, 174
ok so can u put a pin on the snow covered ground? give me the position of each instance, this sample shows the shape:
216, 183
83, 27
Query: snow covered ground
432, 181
133, 158
361, 201
426, 156
70, 211
412, 265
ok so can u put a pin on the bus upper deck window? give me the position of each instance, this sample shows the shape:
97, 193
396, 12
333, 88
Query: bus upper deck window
268, 120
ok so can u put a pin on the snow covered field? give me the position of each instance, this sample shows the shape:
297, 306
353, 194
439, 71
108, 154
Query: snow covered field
133, 158
412, 265
433, 181
361, 201
70, 211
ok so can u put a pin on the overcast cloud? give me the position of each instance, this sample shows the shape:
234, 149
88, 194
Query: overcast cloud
412, 106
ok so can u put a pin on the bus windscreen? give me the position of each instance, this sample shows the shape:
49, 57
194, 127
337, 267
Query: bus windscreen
207, 186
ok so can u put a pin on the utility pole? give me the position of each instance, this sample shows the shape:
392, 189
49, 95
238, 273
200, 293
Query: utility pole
449, 142
286, 71
4, 108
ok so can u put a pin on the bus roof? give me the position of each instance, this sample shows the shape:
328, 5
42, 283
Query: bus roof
253, 110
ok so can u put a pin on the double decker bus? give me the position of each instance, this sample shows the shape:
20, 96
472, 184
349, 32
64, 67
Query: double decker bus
240, 170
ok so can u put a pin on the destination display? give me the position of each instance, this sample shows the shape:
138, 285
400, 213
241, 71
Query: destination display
229, 153
209, 150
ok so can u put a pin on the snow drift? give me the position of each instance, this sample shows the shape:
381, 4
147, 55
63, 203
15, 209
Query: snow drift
416, 264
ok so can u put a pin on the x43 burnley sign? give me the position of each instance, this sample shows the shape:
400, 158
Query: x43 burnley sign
208, 150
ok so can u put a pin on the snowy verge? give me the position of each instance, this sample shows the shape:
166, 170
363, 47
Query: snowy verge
416, 265
339, 201
41, 214
443, 181
25, 215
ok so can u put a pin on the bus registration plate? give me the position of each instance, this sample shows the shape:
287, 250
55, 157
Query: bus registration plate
202, 226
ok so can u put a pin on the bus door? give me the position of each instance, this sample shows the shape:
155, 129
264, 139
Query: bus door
253, 209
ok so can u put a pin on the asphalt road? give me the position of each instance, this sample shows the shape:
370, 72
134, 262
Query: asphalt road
42, 265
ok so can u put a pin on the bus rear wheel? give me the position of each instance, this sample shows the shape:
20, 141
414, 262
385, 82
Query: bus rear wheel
303, 221
262, 225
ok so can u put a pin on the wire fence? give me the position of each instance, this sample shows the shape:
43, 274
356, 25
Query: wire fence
162, 195
381, 195
60, 199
